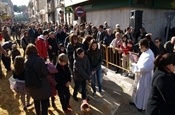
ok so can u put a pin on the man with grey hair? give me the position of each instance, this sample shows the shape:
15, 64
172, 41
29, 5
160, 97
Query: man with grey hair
170, 45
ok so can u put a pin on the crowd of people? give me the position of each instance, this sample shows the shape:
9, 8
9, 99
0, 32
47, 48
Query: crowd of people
74, 51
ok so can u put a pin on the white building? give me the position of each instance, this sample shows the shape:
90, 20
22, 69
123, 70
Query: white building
59, 11
118, 12
7, 10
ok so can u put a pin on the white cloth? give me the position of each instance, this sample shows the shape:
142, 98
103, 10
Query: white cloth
115, 44
143, 78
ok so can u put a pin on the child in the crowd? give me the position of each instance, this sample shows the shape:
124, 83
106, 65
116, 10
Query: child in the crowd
15, 52
63, 79
62, 49
81, 73
19, 76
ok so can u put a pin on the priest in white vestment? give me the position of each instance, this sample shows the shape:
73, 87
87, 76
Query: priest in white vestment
143, 70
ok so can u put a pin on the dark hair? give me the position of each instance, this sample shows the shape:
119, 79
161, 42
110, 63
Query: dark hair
158, 39
25, 33
79, 51
148, 37
101, 26
144, 42
39, 30
18, 65
31, 49
128, 28
72, 36
93, 41
87, 39
125, 36
46, 32
164, 60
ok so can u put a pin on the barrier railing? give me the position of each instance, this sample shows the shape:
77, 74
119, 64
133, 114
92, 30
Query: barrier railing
112, 56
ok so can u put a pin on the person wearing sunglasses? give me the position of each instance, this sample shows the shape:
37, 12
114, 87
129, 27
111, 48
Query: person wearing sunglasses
159, 46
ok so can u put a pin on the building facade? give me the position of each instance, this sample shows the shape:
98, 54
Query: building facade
33, 10
6, 11
115, 12
42, 8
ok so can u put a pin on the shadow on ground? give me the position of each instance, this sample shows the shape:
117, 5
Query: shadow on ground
9, 105
114, 102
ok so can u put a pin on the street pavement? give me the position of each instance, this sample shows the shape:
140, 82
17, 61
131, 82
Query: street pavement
116, 89
119, 89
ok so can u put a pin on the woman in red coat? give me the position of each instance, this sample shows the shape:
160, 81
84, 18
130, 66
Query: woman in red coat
125, 48
42, 45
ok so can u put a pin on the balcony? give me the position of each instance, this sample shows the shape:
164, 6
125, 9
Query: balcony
50, 6
59, 4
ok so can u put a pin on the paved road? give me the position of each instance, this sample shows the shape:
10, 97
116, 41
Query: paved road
119, 89
115, 100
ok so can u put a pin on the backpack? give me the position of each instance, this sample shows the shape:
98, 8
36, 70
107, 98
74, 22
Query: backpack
51, 68
32, 79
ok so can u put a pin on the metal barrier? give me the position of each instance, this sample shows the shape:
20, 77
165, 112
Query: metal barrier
103, 49
112, 56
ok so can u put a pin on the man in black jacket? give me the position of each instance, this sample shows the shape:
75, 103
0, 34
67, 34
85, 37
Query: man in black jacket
7, 46
81, 73
101, 34
53, 48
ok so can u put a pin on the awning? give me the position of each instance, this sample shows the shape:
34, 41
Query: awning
73, 2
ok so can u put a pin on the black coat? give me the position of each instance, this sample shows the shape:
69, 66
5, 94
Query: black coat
160, 50
54, 49
60, 37
71, 49
44, 92
7, 45
95, 59
162, 96
15, 53
20, 76
108, 39
100, 37
62, 76
153, 47
169, 47
32, 35
81, 69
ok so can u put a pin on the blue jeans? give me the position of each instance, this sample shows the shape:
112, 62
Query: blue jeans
97, 77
